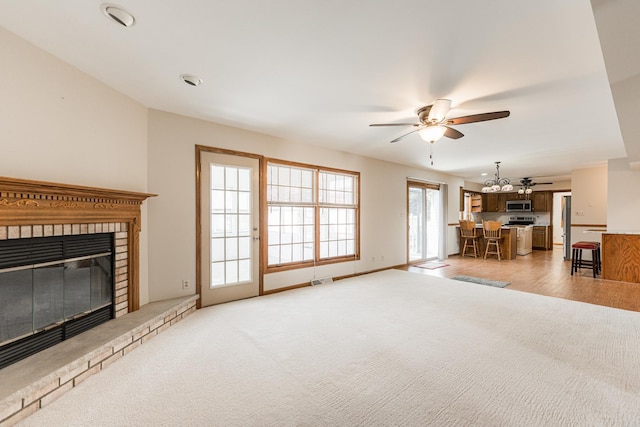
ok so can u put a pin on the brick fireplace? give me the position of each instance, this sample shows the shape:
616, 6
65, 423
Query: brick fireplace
41, 209
34, 209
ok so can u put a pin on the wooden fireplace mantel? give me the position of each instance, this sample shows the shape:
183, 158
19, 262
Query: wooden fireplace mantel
25, 202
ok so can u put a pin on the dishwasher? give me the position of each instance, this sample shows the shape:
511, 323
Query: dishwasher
524, 238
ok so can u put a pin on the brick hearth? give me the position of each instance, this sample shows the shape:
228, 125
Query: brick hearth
41, 209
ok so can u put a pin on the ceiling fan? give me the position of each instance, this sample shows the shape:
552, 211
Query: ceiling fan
434, 124
526, 184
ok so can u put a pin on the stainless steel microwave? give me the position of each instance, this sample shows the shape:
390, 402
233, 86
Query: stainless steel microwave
519, 206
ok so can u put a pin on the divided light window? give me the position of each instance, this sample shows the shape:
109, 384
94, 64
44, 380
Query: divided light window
312, 215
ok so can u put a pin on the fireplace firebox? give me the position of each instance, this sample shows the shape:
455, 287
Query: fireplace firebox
51, 289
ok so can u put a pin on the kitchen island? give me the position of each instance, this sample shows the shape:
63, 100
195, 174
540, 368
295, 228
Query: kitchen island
508, 244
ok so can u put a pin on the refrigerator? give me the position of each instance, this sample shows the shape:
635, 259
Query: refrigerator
566, 227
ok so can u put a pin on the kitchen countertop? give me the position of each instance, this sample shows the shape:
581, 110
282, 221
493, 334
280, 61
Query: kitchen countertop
615, 232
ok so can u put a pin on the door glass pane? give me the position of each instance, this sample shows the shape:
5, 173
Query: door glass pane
416, 224
217, 274
231, 175
244, 247
244, 270
244, 225
217, 250
217, 177
433, 222
231, 196
424, 223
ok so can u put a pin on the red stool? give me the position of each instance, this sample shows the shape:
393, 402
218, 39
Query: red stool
576, 257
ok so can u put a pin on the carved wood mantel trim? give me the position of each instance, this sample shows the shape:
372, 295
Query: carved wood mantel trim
26, 202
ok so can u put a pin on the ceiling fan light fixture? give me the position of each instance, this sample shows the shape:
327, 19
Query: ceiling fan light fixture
521, 191
439, 110
118, 15
432, 133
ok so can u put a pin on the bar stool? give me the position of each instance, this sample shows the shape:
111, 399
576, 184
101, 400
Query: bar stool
492, 232
470, 237
576, 257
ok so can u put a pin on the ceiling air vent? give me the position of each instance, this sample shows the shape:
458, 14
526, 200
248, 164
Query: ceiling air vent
118, 15
191, 80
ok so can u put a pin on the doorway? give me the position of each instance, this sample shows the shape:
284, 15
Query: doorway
228, 226
424, 219
559, 219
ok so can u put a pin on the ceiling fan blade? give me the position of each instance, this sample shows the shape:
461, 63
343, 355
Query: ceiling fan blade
453, 133
439, 110
478, 118
406, 134
395, 124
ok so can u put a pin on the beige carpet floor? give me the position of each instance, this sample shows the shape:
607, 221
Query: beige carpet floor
389, 348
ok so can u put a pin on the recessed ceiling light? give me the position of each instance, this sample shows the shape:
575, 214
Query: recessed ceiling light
118, 15
191, 80
484, 174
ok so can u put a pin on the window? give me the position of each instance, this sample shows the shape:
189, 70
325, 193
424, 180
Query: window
312, 215
337, 214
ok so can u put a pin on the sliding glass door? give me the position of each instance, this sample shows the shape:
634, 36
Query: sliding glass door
424, 221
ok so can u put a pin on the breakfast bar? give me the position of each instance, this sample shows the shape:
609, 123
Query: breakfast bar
508, 244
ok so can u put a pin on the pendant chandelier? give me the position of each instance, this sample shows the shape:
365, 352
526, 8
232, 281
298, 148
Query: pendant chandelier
497, 184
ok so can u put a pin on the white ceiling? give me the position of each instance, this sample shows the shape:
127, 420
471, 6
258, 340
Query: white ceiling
320, 71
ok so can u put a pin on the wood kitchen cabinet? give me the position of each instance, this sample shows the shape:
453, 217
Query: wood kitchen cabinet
541, 237
495, 202
476, 202
502, 202
490, 202
541, 201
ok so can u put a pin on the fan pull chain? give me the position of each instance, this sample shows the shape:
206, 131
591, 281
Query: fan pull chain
431, 152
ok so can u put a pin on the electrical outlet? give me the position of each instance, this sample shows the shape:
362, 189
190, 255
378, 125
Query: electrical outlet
185, 284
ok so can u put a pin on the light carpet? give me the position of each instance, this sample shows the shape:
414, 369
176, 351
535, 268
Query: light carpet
389, 348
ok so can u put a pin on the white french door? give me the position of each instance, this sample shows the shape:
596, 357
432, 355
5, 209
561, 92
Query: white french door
424, 222
229, 224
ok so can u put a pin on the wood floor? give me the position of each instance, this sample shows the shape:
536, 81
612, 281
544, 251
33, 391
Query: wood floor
544, 273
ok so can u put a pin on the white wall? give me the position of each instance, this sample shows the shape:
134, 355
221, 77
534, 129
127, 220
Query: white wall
589, 195
588, 202
623, 200
59, 125
172, 140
